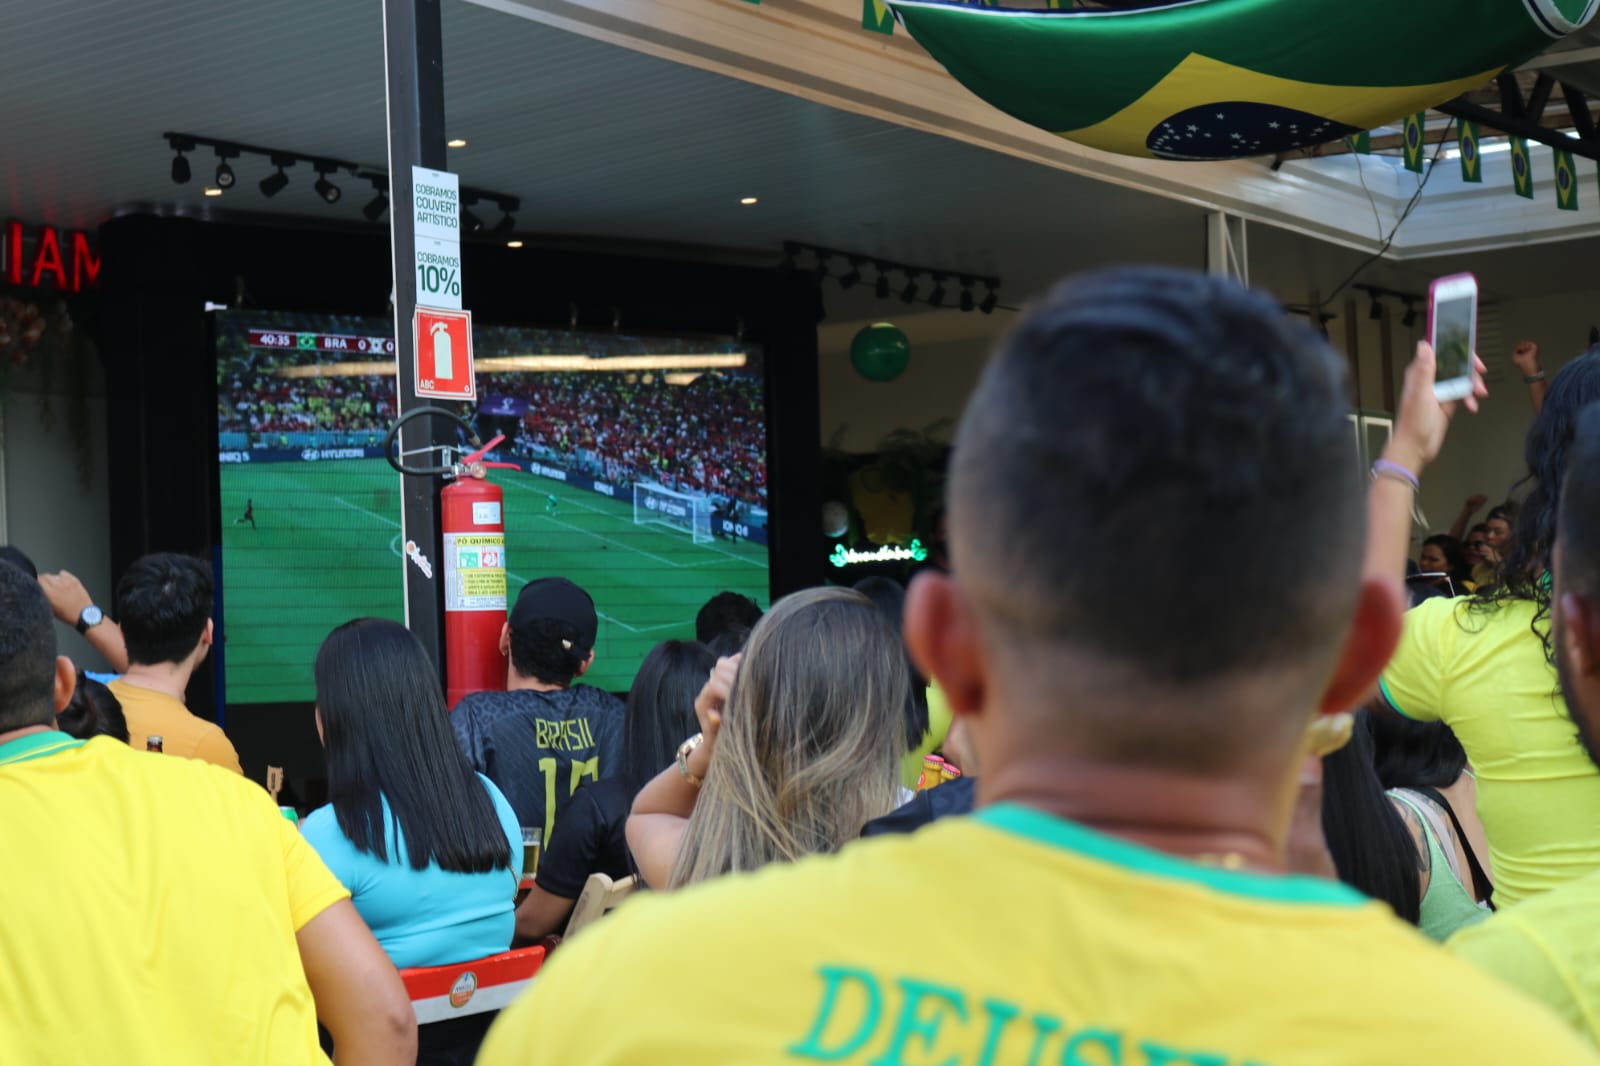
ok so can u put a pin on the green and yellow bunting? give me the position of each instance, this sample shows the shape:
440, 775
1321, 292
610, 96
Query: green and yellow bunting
1361, 143
1471, 161
1521, 172
1566, 181
876, 16
1413, 141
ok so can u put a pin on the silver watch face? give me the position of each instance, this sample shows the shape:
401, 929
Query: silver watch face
91, 616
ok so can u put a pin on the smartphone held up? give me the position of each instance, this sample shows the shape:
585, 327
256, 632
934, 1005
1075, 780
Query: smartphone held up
1453, 333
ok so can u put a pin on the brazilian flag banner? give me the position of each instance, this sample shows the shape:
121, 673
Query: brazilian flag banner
1471, 161
1521, 170
1361, 143
1566, 181
876, 16
1415, 125
1230, 79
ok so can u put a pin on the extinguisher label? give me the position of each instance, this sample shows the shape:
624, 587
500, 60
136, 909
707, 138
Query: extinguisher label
486, 513
475, 570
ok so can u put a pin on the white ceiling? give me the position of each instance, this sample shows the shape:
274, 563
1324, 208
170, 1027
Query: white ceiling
597, 140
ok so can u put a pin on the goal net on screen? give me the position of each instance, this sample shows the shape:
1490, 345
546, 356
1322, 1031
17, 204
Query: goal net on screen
682, 511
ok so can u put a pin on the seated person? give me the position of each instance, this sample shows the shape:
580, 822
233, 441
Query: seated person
430, 851
590, 834
92, 712
544, 735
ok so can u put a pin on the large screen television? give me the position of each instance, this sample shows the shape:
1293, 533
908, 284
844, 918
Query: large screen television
642, 477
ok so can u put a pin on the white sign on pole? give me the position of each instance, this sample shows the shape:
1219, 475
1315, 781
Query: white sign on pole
436, 232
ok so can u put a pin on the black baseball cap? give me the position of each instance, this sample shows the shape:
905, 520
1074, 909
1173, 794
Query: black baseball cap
555, 599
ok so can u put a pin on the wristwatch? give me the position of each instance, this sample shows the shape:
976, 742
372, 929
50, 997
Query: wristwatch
90, 617
684, 751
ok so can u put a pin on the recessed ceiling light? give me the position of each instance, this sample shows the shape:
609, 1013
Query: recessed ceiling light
748, 200
458, 142
513, 244
212, 190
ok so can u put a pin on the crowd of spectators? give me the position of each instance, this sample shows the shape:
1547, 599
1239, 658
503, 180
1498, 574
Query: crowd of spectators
1204, 813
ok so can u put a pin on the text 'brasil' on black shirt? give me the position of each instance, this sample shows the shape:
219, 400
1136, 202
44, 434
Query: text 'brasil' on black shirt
538, 747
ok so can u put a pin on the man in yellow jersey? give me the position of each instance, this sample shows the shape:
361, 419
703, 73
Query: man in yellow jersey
161, 910
1119, 896
164, 606
1549, 946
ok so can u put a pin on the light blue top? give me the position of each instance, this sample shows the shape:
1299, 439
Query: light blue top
428, 917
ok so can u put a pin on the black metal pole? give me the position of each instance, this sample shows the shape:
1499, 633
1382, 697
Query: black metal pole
1519, 127
413, 54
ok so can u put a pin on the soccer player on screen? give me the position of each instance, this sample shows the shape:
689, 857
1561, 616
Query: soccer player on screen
552, 505
249, 514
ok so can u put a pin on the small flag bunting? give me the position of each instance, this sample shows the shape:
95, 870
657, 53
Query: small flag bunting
1566, 181
876, 16
1361, 143
1471, 161
1413, 141
1521, 172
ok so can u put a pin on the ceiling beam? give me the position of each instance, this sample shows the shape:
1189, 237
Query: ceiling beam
1518, 127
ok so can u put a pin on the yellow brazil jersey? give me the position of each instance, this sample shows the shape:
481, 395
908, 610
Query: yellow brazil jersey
1548, 948
149, 908
1012, 937
1484, 674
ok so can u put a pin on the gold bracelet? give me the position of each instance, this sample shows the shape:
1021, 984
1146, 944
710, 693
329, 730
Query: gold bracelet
684, 750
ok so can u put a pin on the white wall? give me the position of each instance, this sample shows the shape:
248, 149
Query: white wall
60, 521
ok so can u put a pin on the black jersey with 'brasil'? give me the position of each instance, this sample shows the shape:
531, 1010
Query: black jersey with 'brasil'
538, 747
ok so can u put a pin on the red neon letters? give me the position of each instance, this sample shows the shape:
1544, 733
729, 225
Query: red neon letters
42, 261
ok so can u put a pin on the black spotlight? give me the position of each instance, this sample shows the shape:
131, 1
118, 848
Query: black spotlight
1375, 312
936, 297
822, 266
881, 289
180, 169
505, 225
990, 302
909, 293
469, 221
1409, 319
273, 184
853, 277
326, 189
226, 179
380, 200
966, 294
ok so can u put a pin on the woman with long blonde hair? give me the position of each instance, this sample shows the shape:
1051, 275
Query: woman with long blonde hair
800, 746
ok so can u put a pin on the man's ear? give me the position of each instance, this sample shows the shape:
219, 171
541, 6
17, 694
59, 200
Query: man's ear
941, 634
66, 682
1374, 633
505, 641
583, 667
1580, 632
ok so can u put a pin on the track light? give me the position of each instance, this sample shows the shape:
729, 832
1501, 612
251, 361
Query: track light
822, 266
326, 189
991, 301
273, 184
226, 179
909, 293
180, 169
505, 225
853, 277
881, 289
1375, 312
936, 297
1409, 319
966, 294
469, 221
380, 200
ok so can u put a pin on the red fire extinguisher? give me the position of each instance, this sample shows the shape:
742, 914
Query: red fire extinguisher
472, 517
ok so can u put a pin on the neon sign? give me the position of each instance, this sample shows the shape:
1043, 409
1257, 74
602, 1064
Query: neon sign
37, 256
888, 553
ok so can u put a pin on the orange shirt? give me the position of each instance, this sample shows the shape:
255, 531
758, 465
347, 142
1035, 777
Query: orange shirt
155, 713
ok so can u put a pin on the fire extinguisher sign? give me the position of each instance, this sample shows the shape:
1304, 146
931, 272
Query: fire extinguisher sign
444, 354
475, 572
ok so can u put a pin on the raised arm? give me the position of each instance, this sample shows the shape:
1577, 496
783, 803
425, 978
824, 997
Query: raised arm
1526, 357
1471, 506
662, 808
68, 598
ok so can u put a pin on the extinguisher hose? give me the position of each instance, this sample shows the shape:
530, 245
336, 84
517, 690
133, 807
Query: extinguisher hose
392, 454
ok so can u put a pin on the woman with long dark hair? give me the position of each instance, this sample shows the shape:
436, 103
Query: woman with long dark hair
429, 850
589, 836
1484, 666
1442, 554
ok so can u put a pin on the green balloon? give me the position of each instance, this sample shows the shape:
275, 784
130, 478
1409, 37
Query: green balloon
880, 352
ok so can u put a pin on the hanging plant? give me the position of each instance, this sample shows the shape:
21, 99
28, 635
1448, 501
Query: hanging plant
43, 341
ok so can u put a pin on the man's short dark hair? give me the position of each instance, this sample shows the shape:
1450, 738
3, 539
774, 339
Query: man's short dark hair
27, 653
17, 558
725, 612
548, 650
1168, 459
163, 604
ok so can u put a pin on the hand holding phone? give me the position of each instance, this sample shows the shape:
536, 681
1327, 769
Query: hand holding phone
1453, 333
